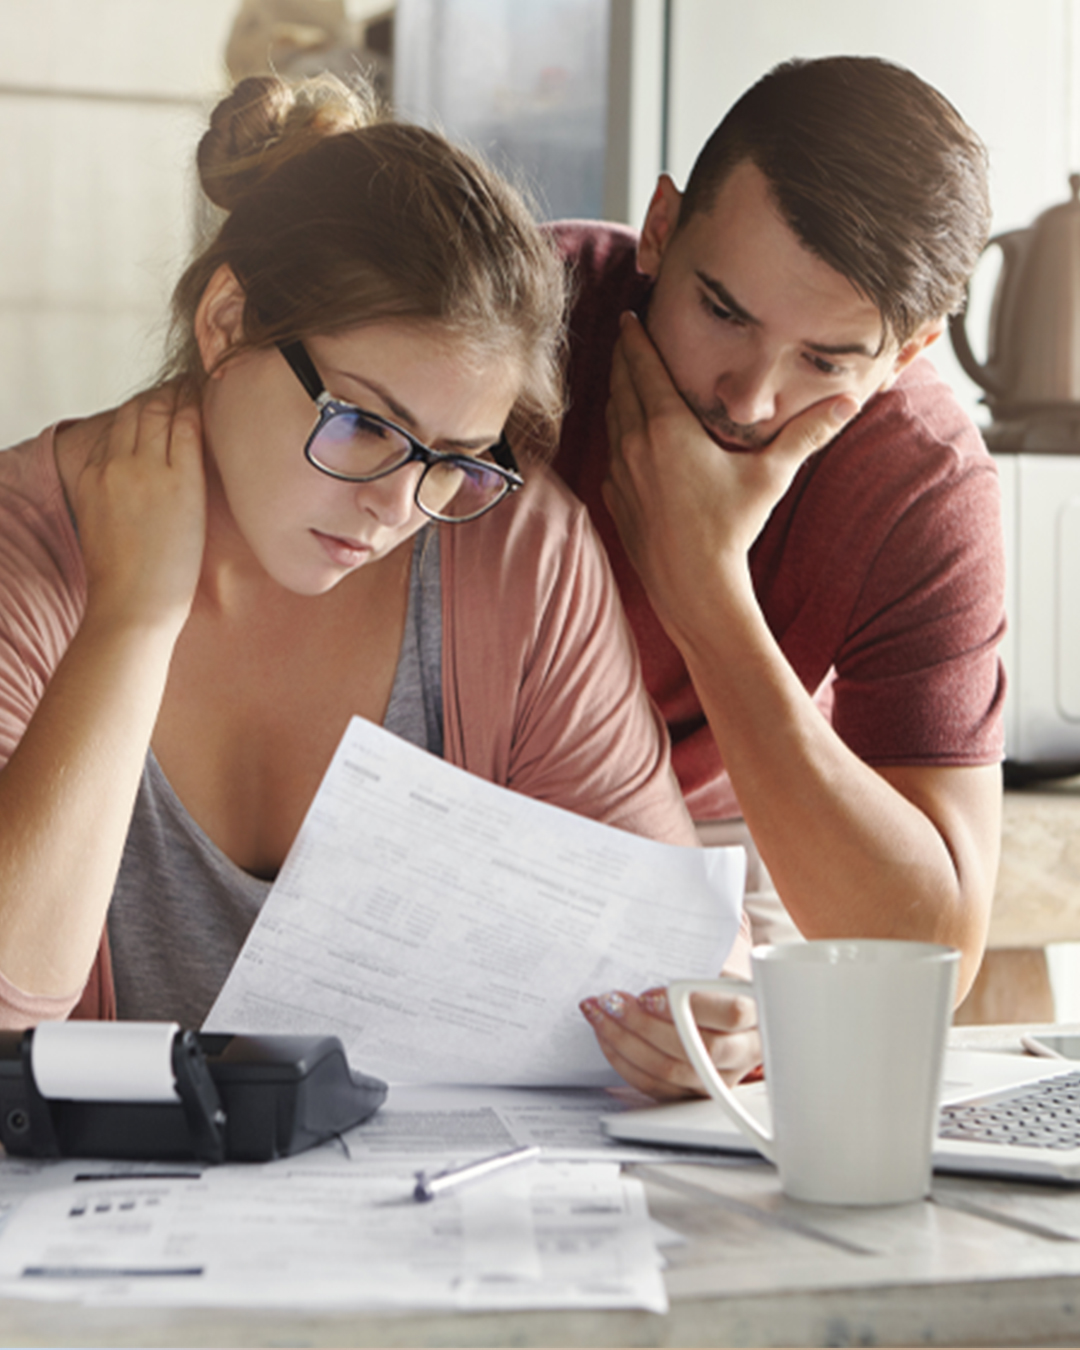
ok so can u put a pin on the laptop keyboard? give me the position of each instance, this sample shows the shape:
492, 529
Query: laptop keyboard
1038, 1115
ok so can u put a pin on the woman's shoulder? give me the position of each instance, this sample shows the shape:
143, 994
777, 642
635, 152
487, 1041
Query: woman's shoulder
28, 470
37, 535
534, 537
542, 513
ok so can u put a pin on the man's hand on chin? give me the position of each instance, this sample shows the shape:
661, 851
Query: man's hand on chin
684, 505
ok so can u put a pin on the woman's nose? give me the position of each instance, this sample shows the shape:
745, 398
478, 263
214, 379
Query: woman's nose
391, 500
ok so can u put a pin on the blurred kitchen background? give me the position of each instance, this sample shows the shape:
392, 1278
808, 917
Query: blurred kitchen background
585, 101
102, 102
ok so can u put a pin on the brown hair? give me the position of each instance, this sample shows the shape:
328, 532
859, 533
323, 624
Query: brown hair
875, 171
337, 218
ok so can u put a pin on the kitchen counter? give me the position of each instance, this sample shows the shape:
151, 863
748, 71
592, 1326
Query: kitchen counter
1036, 902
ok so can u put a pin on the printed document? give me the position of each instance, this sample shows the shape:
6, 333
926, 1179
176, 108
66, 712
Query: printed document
446, 928
552, 1235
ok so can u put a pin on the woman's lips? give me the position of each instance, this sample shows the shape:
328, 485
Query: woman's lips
341, 551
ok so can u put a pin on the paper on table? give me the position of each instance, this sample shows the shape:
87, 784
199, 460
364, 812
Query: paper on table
551, 1235
431, 1127
446, 928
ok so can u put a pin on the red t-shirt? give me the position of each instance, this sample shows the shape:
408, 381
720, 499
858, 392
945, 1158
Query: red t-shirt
881, 569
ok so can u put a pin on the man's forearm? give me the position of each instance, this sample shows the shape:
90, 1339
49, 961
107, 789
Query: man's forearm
852, 851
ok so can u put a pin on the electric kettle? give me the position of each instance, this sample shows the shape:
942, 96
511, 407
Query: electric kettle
1033, 360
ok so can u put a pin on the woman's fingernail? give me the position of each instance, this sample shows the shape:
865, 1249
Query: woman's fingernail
654, 1001
613, 1004
590, 1010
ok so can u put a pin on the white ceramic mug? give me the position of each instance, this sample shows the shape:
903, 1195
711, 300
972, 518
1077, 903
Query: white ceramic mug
853, 1034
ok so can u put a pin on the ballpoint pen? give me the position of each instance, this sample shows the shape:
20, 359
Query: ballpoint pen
427, 1188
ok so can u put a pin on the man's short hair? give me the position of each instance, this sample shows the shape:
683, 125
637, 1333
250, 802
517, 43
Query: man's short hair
876, 173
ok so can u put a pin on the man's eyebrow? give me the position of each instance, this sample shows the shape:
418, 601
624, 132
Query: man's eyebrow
845, 349
744, 316
725, 297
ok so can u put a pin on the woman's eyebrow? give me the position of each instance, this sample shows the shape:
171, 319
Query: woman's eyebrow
401, 414
397, 410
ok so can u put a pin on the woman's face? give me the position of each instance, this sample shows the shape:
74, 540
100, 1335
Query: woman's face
308, 530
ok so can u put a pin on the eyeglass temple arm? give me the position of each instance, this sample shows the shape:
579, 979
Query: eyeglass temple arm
504, 456
303, 367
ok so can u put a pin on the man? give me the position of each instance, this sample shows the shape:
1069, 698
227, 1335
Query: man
783, 304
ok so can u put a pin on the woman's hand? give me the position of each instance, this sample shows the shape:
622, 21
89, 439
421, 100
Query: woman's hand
140, 505
135, 477
639, 1039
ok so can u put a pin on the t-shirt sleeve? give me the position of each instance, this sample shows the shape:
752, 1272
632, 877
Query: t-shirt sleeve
42, 592
587, 736
41, 602
918, 676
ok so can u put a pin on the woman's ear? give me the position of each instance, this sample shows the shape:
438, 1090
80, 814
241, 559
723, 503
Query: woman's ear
219, 319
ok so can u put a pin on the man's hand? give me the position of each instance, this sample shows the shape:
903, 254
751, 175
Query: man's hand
680, 501
639, 1039
906, 851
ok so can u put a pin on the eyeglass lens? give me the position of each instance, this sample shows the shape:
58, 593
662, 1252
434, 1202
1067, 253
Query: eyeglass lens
353, 445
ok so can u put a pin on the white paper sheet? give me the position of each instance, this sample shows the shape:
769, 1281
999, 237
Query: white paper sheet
446, 928
547, 1235
432, 1126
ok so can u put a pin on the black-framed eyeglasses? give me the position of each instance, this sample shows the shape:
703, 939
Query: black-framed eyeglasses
358, 447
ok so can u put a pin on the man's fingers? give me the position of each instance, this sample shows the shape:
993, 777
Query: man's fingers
814, 428
644, 367
625, 413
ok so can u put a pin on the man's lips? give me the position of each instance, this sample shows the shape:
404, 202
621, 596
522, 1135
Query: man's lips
732, 447
728, 435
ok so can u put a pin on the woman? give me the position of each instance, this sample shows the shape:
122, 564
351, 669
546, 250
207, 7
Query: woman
317, 513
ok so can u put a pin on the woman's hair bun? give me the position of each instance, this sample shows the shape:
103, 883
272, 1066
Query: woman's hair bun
266, 120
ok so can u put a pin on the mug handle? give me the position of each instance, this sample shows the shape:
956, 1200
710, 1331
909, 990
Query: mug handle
679, 992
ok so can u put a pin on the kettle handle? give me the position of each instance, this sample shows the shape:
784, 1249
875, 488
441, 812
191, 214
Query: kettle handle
988, 376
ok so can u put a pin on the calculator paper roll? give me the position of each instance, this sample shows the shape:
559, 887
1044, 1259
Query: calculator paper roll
105, 1061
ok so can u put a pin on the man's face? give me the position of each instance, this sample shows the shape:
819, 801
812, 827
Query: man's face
753, 327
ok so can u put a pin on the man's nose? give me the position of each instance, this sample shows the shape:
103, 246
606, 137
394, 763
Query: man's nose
750, 391
391, 499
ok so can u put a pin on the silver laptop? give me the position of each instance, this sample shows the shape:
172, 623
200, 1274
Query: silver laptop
1001, 1115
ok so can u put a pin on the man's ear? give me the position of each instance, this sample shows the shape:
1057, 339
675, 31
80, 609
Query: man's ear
916, 345
219, 318
660, 221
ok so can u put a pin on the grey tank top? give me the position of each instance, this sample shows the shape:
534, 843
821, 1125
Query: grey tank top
181, 909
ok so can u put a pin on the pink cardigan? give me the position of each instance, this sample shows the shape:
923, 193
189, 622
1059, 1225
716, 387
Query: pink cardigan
542, 689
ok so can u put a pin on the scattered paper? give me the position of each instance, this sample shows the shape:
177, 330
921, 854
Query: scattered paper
552, 1235
446, 928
